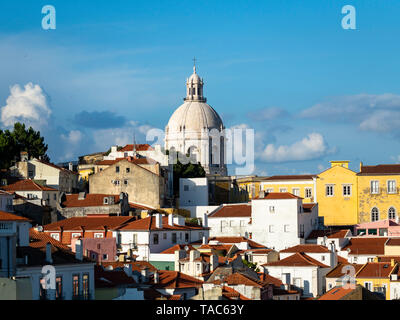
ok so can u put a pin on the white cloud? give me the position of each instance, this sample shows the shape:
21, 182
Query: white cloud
377, 113
72, 144
29, 105
74, 136
270, 113
311, 147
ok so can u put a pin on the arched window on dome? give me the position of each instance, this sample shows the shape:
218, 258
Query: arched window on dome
374, 214
392, 213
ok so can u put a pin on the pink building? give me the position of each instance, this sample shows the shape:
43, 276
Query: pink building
384, 228
97, 249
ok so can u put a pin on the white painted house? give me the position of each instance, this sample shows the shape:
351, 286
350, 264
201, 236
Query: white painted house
6, 201
230, 220
157, 233
281, 220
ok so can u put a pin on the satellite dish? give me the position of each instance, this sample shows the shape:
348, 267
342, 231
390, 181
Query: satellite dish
186, 248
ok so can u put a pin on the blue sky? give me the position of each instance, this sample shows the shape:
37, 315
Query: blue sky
312, 91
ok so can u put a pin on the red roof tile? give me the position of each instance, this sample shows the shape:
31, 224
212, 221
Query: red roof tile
393, 242
88, 223
139, 147
278, 196
233, 240
367, 245
307, 248
90, 200
375, 270
232, 210
328, 233
383, 169
296, 260
232, 294
336, 293
337, 271
174, 280
137, 161
149, 223
136, 265
6, 216
178, 247
26, 185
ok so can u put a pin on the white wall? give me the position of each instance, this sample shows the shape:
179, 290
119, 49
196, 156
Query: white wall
193, 192
229, 227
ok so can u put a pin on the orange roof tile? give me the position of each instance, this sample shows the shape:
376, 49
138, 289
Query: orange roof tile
88, 223
6, 216
233, 240
307, 248
149, 223
139, 147
278, 196
296, 260
393, 242
337, 271
175, 279
336, 293
328, 233
292, 177
26, 185
380, 169
232, 294
232, 210
178, 247
366, 245
375, 270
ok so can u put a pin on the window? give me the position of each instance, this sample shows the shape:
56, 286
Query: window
322, 258
55, 196
155, 238
242, 223
186, 237
174, 237
272, 209
231, 223
134, 239
164, 236
368, 285
296, 191
85, 286
329, 190
391, 186
308, 192
117, 169
75, 285
55, 236
392, 213
59, 288
269, 190
128, 170
75, 235
99, 235
374, 186
185, 188
374, 214
282, 190
346, 190
198, 266
286, 228
105, 256
125, 182
105, 201
271, 229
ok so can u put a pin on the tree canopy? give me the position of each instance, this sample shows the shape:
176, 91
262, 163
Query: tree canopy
20, 139
188, 170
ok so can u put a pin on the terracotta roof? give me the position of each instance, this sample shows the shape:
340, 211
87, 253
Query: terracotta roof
137, 161
270, 279
36, 252
90, 200
26, 185
233, 210
340, 259
336, 293
366, 245
136, 265
307, 248
393, 242
292, 177
139, 206
233, 240
328, 233
375, 270
88, 223
337, 271
111, 278
283, 292
175, 280
307, 207
149, 223
232, 294
139, 147
296, 260
380, 169
277, 196
388, 258
239, 278
178, 247
6, 216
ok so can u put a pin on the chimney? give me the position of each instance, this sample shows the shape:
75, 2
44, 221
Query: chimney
114, 149
205, 220
49, 259
170, 220
261, 195
333, 255
128, 269
70, 166
78, 249
361, 165
213, 262
204, 240
179, 254
159, 224
145, 274
156, 277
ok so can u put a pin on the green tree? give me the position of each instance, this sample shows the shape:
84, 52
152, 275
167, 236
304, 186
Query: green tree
189, 170
12, 143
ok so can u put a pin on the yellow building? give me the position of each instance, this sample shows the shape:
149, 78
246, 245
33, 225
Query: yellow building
376, 276
303, 186
378, 194
250, 185
85, 173
337, 195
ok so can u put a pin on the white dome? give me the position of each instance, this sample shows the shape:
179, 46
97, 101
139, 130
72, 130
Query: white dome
195, 78
194, 116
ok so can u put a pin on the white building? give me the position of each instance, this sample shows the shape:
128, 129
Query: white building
195, 128
157, 233
230, 220
54, 176
280, 220
193, 192
6, 201
300, 271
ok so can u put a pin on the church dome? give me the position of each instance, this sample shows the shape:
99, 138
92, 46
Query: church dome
194, 116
